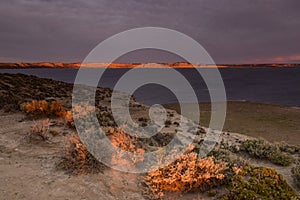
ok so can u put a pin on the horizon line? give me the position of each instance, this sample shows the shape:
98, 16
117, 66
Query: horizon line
23, 65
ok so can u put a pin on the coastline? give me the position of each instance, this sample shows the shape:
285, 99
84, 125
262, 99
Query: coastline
23, 161
176, 65
272, 122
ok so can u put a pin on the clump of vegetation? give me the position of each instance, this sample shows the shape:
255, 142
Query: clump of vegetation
77, 159
44, 109
171, 114
54, 132
142, 119
292, 149
296, 174
176, 124
228, 157
163, 138
187, 173
265, 150
258, 183
168, 123
105, 118
37, 109
212, 193
69, 119
127, 143
40, 131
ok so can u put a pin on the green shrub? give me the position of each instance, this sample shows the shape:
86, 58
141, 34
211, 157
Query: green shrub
227, 156
280, 158
258, 183
292, 149
265, 150
296, 175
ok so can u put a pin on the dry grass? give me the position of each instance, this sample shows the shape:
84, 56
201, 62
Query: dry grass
40, 131
69, 119
44, 109
39, 109
77, 159
125, 142
187, 173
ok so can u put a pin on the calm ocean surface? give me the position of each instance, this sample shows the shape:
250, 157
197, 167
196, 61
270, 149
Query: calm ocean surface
269, 85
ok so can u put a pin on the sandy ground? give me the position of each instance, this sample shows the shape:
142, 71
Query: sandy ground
272, 122
28, 170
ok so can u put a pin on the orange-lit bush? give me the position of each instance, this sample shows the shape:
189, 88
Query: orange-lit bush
42, 108
77, 159
127, 143
35, 107
69, 119
57, 109
185, 174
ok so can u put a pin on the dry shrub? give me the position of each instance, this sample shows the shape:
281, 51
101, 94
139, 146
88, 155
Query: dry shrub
40, 131
35, 107
77, 159
57, 109
54, 132
296, 174
187, 173
69, 119
125, 142
42, 108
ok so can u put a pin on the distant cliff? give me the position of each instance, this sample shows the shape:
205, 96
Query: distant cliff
22, 65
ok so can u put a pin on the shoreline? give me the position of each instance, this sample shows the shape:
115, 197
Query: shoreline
272, 122
170, 103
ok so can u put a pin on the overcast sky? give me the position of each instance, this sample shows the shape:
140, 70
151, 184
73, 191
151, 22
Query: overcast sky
232, 31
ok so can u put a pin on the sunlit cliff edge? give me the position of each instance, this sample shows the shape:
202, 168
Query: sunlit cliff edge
23, 65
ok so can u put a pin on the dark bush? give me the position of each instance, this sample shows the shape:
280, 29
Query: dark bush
168, 123
77, 160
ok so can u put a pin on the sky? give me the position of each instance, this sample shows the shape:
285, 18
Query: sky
231, 31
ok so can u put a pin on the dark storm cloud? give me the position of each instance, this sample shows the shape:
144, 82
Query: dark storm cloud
231, 30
